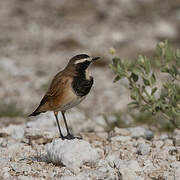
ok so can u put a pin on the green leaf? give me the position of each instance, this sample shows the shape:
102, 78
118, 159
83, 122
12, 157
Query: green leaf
178, 57
158, 50
144, 108
146, 82
153, 79
134, 77
133, 104
147, 66
168, 52
165, 69
117, 78
178, 53
154, 90
138, 71
175, 70
135, 94
141, 60
115, 61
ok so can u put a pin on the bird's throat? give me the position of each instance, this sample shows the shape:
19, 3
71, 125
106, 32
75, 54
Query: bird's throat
87, 74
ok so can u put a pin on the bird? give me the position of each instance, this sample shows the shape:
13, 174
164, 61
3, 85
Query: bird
68, 88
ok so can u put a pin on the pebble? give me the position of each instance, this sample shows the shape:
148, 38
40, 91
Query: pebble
121, 131
18, 133
143, 149
148, 134
138, 132
121, 138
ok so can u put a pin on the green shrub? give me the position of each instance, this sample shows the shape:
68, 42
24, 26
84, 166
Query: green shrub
153, 90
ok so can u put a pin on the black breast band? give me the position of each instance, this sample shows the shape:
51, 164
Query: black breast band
82, 86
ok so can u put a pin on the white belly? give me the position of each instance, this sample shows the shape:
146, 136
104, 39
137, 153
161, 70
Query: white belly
71, 104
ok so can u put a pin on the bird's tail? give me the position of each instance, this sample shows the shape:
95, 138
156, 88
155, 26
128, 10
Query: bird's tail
38, 110
35, 113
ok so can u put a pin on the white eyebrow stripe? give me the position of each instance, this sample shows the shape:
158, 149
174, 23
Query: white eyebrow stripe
82, 60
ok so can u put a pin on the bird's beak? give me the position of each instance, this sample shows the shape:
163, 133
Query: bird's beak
95, 58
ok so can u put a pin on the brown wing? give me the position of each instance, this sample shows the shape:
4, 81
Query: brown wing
54, 97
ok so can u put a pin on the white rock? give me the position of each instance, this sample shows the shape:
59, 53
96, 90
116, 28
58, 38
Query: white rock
101, 121
111, 158
128, 169
158, 144
5, 173
168, 176
72, 153
28, 178
20, 167
148, 134
18, 133
122, 131
137, 132
177, 174
35, 133
73, 178
111, 119
121, 138
163, 137
14, 130
143, 149
134, 165
176, 140
148, 166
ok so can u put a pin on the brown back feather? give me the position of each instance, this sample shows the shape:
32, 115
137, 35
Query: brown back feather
58, 85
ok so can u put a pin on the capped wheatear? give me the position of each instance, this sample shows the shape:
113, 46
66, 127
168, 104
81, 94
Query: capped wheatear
68, 88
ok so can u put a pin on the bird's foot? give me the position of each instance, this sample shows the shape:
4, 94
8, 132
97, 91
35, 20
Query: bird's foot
70, 136
62, 137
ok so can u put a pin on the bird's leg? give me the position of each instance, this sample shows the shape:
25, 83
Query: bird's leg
69, 135
65, 122
56, 115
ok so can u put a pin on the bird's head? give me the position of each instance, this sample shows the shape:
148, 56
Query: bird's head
81, 61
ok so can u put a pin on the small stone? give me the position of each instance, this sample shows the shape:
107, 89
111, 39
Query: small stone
167, 176
134, 165
20, 167
168, 142
143, 149
121, 138
103, 135
176, 137
39, 136
158, 144
176, 140
18, 133
27, 178
112, 157
148, 134
3, 134
163, 137
177, 174
121, 131
138, 132
128, 169
5, 173
101, 121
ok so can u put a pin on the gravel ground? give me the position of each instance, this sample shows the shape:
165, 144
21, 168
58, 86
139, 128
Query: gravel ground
127, 153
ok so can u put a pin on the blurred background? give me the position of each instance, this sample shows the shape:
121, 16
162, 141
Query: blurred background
38, 37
